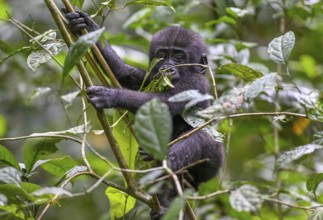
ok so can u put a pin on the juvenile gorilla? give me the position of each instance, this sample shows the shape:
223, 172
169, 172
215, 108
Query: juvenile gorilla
175, 46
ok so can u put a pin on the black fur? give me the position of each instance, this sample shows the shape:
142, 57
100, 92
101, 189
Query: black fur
175, 45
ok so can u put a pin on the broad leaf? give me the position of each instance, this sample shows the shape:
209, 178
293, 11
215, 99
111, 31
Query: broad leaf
153, 124
7, 158
134, 20
175, 207
244, 72
295, 154
79, 48
38, 57
46, 191
280, 48
261, 85
246, 198
120, 202
192, 97
10, 175
313, 182
126, 140
59, 166
38, 148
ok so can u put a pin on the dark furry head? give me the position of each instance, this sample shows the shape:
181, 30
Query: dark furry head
178, 37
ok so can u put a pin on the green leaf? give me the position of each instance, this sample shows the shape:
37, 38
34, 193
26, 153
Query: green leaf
246, 198
313, 182
126, 140
244, 72
77, 3
38, 148
149, 2
59, 166
15, 210
175, 207
280, 48
4, 10
10, 175
120, 202
3, 126
153, 124
295, 154
135, 19
7, 157
79, 48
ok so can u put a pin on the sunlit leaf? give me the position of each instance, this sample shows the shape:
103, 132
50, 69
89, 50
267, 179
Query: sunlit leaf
5, 10
126, 140
79, 48
192, 97
280, 48
3, 125
75, 131
77, 3
52, 191
313, 182
244, 72
10, 175
246, 198
317, 214
70, 97
3, 200
7, 158
261, 85
236, 12
295, 154
38, 57
153, 124
120, 202
138, 16
38, 148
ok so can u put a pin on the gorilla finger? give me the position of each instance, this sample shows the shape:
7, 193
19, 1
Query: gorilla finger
82, 14
77, 21
72, 15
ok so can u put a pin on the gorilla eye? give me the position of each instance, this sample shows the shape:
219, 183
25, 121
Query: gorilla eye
161, 55
179, 57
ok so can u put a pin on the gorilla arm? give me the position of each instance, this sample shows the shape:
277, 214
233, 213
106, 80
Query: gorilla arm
128, 76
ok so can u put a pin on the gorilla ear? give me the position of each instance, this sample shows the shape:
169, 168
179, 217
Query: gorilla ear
203, 61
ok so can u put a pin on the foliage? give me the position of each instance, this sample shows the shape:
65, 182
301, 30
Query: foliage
266, 60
